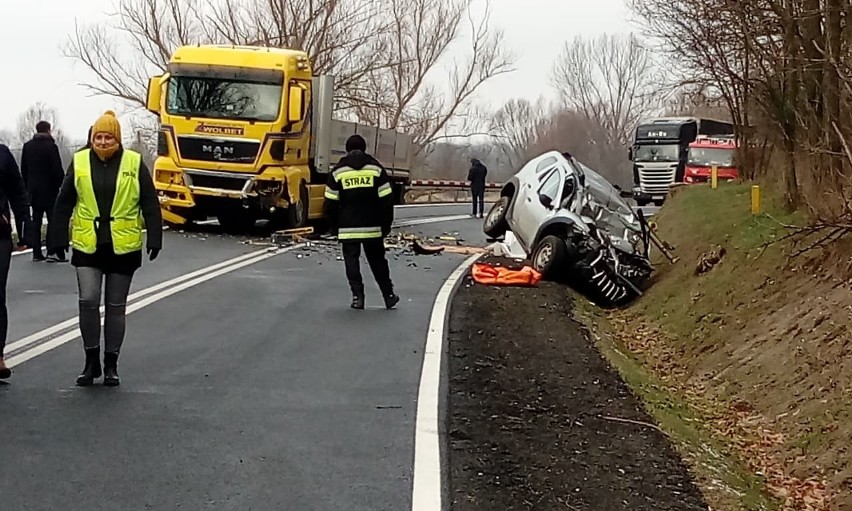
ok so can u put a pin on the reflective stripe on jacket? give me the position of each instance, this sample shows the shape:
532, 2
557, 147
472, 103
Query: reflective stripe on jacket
358, 198
126, 216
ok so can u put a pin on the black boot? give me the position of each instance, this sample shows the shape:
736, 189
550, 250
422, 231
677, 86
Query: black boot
357, 302
111, 370
391, 299
92, 369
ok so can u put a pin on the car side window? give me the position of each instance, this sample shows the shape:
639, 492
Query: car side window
550, 187
542, 168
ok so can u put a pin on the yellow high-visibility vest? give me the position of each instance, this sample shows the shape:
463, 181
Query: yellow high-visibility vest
126, 216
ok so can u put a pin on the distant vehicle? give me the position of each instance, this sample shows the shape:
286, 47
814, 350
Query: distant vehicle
573, 223
660, 152
707, 152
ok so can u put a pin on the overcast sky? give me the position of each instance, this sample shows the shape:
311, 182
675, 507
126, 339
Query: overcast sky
33, 32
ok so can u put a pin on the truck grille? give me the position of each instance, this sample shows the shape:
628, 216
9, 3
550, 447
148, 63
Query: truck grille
656, 181
217, 182
208, 149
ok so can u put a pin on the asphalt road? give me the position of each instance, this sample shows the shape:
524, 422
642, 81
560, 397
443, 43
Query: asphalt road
251, 389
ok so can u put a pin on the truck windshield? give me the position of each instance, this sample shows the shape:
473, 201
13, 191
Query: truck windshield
707, 157
225, 99
667, 152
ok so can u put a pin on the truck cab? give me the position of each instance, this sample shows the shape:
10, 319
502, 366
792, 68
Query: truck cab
708, 152
660, 152
247, 133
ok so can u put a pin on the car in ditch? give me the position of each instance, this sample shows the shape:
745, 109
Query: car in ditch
575, 227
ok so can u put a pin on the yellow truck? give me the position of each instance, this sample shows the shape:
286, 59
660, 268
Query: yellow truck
247, 133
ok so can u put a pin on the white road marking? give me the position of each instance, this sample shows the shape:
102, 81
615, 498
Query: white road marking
40, 335
67, 337
427, 493
430, 220
159, 292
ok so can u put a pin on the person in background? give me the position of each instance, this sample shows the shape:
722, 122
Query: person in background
111, 195
41, 169
476, 176
359, 208
11, 192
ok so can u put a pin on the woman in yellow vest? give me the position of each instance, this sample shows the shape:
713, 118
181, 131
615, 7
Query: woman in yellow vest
106, 247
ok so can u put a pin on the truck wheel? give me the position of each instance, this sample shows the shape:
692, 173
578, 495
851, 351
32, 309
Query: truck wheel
550, 257
297, 214
398, 194
658, 203
495, 224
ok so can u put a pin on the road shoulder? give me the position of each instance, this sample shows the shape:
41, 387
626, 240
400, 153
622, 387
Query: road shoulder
537, 419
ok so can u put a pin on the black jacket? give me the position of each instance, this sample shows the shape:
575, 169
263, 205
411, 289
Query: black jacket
104, 178
11, 192
476, 175
358, 201
41, 168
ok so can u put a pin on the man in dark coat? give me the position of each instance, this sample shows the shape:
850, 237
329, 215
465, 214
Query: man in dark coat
41, 168
476, 176
11, 192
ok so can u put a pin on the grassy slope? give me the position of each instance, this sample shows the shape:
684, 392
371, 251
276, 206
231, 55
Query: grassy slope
758, 348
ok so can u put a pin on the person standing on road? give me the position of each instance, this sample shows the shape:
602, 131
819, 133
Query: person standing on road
359, 208
476, 176
11, 192
111, 195
41, 168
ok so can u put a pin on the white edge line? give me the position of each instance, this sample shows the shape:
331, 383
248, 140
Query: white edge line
427, 492
62, 339
144, 292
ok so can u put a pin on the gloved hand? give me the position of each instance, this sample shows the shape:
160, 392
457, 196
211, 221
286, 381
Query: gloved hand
153, 253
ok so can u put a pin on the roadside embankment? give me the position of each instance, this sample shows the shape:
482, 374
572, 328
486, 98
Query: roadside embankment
742, 352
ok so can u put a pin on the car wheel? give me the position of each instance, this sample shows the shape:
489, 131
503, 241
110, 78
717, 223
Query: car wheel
495, 224
550, 257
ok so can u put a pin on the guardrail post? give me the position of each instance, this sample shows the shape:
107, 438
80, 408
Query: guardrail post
755, 200
714, 177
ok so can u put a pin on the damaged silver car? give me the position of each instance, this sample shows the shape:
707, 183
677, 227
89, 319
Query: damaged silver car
575, 227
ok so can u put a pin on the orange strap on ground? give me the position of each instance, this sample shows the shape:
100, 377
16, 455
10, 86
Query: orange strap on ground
500, 276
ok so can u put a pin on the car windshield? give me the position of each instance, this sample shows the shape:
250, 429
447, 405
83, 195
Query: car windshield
711, 156
224, 99
652, 153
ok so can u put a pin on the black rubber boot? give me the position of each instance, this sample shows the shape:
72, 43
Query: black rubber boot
111, 370
391, 299
358, 302
92, 369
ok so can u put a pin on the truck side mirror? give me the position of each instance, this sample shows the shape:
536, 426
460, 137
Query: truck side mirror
155, 94
296, 104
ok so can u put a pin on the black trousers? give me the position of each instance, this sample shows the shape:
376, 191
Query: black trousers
477, 194
5, 261
40, 211
374, 249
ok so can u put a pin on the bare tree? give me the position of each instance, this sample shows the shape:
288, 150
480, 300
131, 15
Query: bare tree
518, 126
611, 80
382, 53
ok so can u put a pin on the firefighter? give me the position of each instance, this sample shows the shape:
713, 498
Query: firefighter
359, 209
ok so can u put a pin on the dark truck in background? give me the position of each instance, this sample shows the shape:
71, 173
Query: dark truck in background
660, 151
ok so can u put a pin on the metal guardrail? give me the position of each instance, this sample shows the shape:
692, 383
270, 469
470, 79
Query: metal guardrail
441, 183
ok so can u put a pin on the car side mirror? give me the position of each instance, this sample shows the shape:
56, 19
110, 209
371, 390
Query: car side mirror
546, 201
